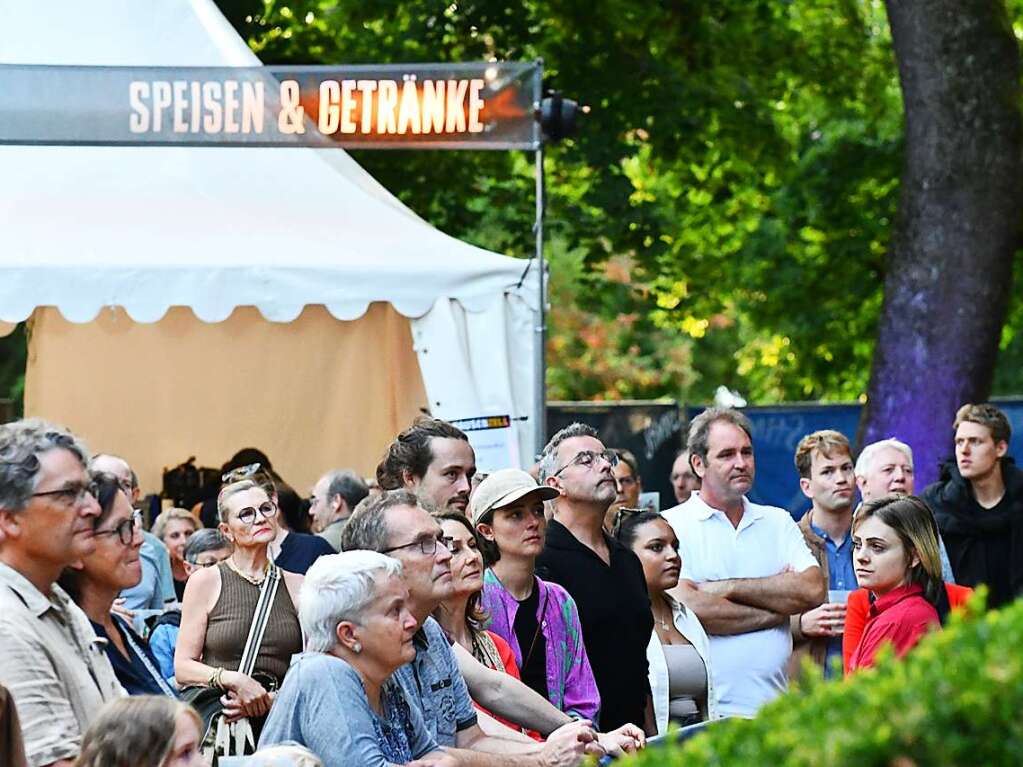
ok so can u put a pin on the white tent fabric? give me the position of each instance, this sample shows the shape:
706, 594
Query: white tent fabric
213, 229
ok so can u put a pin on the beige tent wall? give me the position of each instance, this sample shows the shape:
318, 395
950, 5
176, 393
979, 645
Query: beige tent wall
313, 394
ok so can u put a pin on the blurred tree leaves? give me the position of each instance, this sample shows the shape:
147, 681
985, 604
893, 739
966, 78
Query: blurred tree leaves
723, 215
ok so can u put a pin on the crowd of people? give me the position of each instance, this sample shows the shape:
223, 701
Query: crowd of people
438, 616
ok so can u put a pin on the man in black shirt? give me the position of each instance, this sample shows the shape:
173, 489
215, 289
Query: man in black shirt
605, 578
978, 504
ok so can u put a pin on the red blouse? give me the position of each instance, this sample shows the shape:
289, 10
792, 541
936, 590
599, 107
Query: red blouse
900, 617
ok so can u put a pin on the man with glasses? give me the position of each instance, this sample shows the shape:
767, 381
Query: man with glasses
335, 495
50, 659
396, 524
156, 589
604, 577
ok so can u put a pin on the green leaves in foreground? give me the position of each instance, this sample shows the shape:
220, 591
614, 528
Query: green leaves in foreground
956, 699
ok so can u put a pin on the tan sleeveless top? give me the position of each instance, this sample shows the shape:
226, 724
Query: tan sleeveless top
228, 624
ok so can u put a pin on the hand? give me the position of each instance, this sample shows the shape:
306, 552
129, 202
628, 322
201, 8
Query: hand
567, 745
626, 739
828, 620
435, 759
118, 608
245, 694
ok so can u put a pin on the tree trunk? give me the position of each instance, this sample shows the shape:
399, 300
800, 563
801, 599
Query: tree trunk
950, 264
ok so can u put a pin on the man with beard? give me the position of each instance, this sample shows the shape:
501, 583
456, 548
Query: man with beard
604, 577
435, 461
50, 660
978, 504
745, 567
826, 477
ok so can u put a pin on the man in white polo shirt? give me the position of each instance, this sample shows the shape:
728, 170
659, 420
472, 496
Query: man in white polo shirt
745, 567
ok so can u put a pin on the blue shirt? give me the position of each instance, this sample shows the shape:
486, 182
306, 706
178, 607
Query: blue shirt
435, 686
323, 706
841, 577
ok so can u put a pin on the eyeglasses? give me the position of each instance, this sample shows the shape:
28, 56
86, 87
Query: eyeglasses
427, 545
248, 515
125, 531
587, 458
621, 515
73, 494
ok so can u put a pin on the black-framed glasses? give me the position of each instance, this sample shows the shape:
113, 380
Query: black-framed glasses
72, 494
588, 458
125, 530
248, 515
427, 545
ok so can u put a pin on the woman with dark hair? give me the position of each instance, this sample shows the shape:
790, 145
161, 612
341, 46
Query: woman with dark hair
895, 554
96, 580
678, 655
143, 731
460, 615
539, 620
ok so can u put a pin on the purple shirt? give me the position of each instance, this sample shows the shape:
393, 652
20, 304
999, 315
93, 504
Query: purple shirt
570, 684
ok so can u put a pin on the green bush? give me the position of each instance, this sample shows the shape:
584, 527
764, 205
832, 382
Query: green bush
956, 699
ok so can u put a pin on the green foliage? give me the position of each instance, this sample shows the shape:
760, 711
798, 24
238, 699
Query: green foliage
727, 203
954, 700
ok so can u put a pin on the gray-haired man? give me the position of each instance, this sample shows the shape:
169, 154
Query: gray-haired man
335, 495
50, 659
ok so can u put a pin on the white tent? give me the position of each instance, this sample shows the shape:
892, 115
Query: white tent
183, 240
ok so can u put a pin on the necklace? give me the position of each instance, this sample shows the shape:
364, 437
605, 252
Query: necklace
245, 576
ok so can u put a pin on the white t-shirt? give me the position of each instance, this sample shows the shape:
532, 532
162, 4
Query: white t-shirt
749, 669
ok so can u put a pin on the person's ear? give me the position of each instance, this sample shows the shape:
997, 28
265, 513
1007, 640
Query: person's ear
1001, 448
804, 485
346, 637
487, 531
696, 464
10, 525
226, 530
409, 480
337, 504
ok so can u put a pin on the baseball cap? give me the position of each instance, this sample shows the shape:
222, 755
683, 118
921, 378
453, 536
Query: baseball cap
503, 488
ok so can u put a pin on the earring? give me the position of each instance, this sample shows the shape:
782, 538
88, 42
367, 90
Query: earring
356, 648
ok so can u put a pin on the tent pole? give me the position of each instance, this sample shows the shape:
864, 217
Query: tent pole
540, 417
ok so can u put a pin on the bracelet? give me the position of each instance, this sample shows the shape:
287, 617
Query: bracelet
215, 679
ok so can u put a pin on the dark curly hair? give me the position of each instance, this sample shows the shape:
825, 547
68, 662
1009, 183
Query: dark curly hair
410, 451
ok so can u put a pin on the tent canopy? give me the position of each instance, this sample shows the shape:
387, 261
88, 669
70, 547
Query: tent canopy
214, 229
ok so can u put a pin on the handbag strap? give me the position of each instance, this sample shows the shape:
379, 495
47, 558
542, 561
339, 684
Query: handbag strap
260, 618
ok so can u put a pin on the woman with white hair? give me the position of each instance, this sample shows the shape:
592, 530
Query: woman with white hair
358, 631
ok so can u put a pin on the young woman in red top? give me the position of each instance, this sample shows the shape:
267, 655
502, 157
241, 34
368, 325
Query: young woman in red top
895, 554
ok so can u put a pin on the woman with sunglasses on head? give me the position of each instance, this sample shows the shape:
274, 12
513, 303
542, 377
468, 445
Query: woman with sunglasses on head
678, 655
220, 604
96, 580
895, 555
539, 620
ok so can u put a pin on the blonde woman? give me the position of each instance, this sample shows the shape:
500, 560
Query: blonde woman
142, 731
219, 605
174, 527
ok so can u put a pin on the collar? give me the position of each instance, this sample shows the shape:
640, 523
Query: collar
37, 602
823, 534
560, 537
895, 596
705, 511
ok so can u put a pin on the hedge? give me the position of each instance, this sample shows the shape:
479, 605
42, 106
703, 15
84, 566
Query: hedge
956, 699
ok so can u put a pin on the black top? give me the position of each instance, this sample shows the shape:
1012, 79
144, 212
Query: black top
532, 643
179, 589
137, 674
983, 545
614, 610
300, 550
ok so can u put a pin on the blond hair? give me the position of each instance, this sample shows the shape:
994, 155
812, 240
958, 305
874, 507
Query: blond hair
233, 489
284, 755
826, 442
985, 415
135, 731
167, 515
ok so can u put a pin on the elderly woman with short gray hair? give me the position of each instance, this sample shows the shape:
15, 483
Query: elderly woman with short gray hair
358, 632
